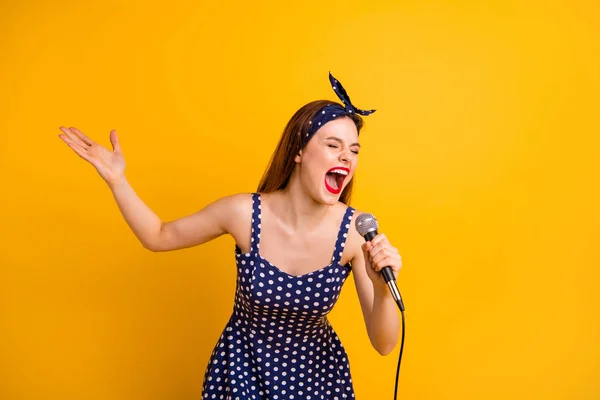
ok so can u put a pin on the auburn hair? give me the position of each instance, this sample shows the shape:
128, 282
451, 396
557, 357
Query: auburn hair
279, 170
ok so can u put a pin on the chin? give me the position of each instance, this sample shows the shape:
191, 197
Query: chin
329, 198
330, 201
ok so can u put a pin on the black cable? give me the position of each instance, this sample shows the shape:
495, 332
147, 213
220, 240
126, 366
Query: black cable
401, 350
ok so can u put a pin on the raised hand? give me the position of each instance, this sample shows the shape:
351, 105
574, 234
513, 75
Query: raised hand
109, 164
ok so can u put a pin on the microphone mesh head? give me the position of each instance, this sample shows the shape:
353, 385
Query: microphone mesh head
366, 223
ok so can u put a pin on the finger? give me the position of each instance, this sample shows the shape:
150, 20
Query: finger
367, 256
388, 262
364, 250
385, 262
385, 245
74, 138
378, 239
378, 266
81, 153
83, 137
391, 259
114, 140
366, 246
379, 256
375, 249
379, 248
68, 139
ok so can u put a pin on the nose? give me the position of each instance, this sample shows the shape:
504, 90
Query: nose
345, 155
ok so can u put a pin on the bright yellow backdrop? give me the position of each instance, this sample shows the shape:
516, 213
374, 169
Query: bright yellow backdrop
481, 165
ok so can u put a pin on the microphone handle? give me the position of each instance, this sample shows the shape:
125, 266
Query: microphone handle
388, 276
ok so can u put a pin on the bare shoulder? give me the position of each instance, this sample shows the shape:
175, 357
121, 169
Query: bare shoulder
237, 201
239, 218
237, 210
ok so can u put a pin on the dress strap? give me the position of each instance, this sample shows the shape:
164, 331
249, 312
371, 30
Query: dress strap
256, 211
342, 235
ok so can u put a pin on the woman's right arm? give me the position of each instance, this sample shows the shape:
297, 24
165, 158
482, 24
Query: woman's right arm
200, 227
209, 223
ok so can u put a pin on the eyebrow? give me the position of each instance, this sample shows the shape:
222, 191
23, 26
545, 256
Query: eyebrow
340, 141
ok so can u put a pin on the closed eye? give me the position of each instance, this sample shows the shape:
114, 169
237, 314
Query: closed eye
333, 146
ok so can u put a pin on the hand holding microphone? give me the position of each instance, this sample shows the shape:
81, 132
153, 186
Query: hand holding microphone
381, 258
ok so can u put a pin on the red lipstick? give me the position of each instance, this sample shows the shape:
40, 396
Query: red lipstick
334, 179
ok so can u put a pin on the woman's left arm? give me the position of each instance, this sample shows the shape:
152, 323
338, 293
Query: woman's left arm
380, 311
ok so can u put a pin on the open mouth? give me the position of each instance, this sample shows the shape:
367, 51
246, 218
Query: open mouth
334, 179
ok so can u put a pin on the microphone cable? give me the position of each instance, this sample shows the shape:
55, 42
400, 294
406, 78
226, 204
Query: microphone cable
401, 307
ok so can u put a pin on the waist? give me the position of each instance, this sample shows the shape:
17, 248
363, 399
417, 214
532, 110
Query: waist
277, 327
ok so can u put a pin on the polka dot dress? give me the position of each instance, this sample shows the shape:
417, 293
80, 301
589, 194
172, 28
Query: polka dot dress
278, 343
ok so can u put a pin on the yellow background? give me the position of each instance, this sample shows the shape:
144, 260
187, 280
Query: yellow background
481, 165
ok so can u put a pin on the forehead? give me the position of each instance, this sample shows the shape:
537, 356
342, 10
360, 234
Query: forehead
343, 128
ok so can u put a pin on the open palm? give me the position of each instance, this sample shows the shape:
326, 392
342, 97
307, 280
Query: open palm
109, 164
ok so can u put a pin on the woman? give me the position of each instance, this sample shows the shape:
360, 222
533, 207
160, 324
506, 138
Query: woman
295, 247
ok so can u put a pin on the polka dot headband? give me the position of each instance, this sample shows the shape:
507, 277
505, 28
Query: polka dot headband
333, 111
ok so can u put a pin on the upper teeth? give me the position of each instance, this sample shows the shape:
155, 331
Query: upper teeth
339, 171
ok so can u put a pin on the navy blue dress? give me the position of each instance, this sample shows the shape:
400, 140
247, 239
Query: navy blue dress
278, 343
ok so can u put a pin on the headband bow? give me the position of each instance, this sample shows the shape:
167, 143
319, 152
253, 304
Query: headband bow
333, 111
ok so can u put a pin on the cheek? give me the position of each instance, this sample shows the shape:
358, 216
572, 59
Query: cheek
314, 167
319, 159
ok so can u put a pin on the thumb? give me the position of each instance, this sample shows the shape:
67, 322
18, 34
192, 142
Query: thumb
114, 141
365, 248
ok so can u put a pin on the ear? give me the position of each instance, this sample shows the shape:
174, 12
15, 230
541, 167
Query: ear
298, 157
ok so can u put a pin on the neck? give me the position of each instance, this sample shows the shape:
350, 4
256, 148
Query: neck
296, 209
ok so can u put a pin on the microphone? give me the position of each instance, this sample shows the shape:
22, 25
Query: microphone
366, 225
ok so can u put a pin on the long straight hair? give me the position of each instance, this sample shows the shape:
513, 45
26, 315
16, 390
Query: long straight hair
280, 167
